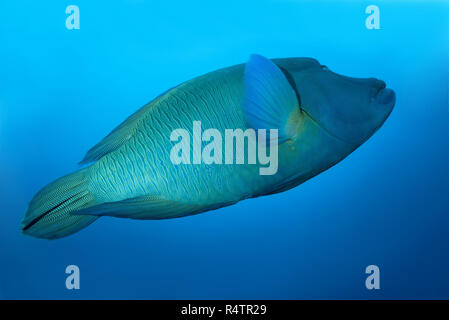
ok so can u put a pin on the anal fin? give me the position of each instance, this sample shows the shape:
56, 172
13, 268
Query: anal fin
148, 208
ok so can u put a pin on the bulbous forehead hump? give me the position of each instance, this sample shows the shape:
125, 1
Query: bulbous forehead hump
297, 64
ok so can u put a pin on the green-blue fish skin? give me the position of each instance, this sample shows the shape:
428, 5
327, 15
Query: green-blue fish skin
131, 173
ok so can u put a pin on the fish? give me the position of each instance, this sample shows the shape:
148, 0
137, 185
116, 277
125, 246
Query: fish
315, 116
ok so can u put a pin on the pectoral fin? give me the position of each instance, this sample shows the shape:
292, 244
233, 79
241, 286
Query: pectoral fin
270, 102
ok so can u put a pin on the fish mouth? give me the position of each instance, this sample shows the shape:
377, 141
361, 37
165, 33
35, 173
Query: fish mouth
383, 95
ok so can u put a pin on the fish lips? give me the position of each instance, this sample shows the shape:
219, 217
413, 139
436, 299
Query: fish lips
383, 96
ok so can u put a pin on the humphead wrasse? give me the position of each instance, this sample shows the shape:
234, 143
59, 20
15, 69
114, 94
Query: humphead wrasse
320, 117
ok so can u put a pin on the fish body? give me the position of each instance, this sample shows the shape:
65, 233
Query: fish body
320, 117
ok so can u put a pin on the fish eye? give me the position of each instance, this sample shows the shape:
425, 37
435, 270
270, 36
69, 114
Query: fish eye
324, 68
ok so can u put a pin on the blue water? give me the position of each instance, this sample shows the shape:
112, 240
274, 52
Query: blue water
62, 90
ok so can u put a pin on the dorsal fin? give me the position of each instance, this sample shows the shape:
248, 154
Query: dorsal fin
116, 138
270, 102
120, 134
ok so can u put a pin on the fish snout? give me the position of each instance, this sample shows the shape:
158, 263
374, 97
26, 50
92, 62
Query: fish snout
382, 95
377, 89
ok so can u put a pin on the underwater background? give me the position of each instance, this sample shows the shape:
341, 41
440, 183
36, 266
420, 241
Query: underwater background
62, 90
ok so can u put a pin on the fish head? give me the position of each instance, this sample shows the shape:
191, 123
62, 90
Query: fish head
350, 109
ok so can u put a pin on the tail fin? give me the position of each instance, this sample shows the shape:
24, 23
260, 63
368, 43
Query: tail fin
49, 212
